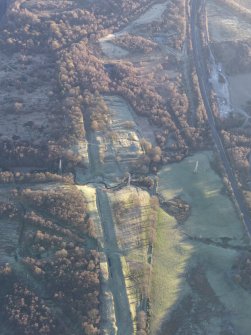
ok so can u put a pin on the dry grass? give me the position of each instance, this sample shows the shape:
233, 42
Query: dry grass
225, 24
24, 98
176, 256
170, 259
132, 230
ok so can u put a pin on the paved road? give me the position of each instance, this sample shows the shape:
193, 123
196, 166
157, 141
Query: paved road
196, 6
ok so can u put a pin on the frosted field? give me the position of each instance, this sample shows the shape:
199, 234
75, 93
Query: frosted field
224, 25
192, 266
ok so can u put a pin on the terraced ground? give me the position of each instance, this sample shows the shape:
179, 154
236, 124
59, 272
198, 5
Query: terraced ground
120, 143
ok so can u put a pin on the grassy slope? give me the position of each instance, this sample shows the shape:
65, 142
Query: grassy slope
170, 257
213, 216
89, 193
128, 239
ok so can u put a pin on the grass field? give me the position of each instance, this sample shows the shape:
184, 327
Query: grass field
224, 25
193, 289
240, 90
170, 257
213, 214
245, 3
133, 221
89, 193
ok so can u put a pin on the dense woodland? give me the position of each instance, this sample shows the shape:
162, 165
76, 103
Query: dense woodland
9, 177
136, 44
81, 73
44, 291
53, 273
70, 42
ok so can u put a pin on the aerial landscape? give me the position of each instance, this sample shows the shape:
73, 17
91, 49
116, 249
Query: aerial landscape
125, 167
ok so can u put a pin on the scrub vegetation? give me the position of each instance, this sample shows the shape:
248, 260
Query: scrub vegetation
113, 219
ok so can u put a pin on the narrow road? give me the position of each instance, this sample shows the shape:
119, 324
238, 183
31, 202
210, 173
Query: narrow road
116, 277
199, 60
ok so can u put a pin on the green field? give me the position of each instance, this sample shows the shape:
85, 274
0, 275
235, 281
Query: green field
171, 254
213, 214
193, 291
132, 232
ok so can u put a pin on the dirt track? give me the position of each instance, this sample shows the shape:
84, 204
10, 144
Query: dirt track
116, 277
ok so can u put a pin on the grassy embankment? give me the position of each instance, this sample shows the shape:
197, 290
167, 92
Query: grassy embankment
133, 215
